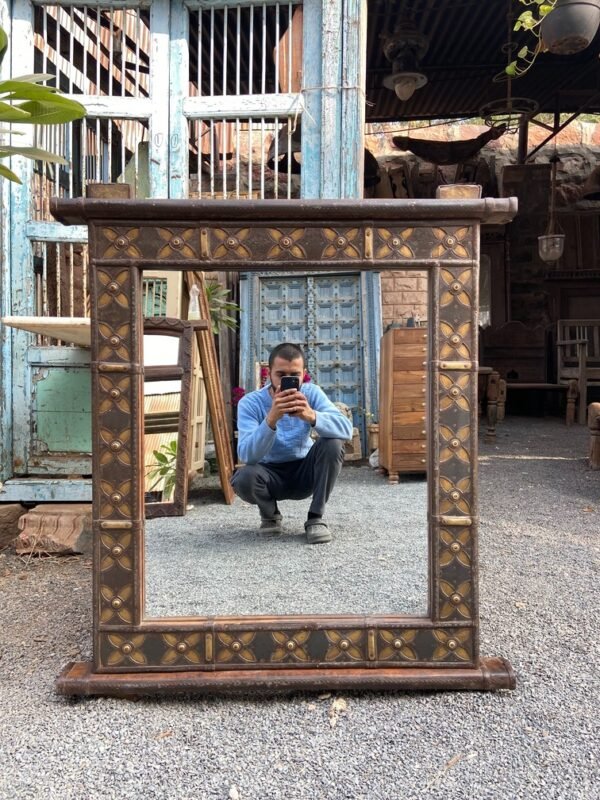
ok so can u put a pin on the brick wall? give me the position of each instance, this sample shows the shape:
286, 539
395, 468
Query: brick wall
403, 293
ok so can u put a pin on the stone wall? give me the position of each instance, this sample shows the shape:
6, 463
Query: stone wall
403, 295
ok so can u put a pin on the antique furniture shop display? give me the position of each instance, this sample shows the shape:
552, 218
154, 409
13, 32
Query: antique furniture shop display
136, 654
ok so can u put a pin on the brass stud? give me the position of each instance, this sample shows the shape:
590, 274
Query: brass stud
113, 287
116, 446
115, 341
455, 338
115, 393
395, 241
121, 241
344, 644
291, 645
177, 242
231, 242
451, 644
116, 497
341, 241
455, 287
454, 444
127, 648
285, 241
117, 550
398, 644
182, 647
455, 495
456, 599
450, 241
455, 547
236, 646
116, 602
454, 391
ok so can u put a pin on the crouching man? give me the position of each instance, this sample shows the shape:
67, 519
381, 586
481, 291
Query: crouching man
282, 461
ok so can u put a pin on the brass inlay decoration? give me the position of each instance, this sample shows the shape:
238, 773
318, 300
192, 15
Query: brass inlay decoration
453, 392
116, 447
114, 288
455, 444
116, 604
235, 647
208, 646
115, 342
121, 243
452, 242
231, 244
372, 645
455, 547
454, 344
286, 243
456, 600
456, 521
398, 645
455, 496
181, 649
116, 524
341, 243
369, 243
127, 650
394, 244
345, 645
178, 243
290, 646
115, 497
115, 394
453, 645
116, 551
456, 288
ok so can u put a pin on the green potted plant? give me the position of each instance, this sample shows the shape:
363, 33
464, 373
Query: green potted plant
562, 27
24, 101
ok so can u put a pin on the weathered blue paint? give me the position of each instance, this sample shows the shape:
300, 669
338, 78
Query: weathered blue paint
178, 92
46, 490
5, 294
312, 73
159, 81
352, 99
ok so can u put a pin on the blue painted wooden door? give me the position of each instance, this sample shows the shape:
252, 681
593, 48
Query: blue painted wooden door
321, 313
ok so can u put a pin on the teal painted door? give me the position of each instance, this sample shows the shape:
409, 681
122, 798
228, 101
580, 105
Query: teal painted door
322, 314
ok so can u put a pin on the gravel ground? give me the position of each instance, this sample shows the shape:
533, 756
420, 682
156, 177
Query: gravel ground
540, 510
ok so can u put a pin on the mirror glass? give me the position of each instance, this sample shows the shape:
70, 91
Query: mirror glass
216, 561
162, 402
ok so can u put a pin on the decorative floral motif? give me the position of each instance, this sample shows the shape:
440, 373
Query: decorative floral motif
118, 548
458, 287
454, 444
114, 342
398, 645
114, 498
116, 604
341, 243
394, 244
122, 243
113, 289
181, 648
116, 447
454, 496
452, 643
290, 647
455, 599
450, 242
116, 394
231, 243
453, 392
126, 649
177, 243
286, 243
235, 647
455, 547
454, 346
345, 645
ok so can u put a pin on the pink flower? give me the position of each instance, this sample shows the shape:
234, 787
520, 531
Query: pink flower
236, 395
306, 378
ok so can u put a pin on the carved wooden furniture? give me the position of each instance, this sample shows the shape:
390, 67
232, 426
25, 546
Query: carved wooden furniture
403, 401
578, 356
518, 353
136, 655
594, 426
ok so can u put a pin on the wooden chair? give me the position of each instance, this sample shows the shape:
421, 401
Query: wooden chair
578, 357
519, 354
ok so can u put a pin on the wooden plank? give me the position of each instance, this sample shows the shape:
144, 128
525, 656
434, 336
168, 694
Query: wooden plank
43, 490
178, 92
352, 97
214, 395
250, 105
402, 404
401, 430
159, 81
61, 413
312, 82
403, 363
411, 447
331, 121
404, 336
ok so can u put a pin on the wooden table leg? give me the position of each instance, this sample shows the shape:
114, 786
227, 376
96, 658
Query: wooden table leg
492, 406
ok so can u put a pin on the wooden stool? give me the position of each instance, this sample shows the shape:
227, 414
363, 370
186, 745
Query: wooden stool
594, 426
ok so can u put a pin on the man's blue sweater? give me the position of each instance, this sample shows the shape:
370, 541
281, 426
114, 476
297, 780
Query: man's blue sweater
291, 439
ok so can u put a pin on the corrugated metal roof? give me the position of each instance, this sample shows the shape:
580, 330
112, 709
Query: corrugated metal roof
466, 39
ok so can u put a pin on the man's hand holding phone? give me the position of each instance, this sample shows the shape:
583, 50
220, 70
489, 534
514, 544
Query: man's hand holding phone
288, 399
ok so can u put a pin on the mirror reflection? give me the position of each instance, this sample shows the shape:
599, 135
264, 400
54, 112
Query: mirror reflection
321, 524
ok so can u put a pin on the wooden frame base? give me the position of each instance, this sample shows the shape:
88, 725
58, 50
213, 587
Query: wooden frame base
78, 679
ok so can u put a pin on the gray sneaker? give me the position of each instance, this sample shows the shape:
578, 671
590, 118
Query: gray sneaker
272, 524
317, 531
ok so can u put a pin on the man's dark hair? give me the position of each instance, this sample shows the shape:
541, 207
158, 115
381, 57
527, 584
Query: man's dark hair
288, 352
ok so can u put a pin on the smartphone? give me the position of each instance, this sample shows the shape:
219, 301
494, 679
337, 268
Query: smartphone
289, 382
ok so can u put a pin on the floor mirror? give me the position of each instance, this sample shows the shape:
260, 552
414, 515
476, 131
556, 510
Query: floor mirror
159, 626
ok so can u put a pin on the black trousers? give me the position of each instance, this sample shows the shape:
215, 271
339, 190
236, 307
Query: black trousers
314, 475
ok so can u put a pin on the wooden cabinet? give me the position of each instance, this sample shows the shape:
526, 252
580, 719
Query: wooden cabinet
402, 402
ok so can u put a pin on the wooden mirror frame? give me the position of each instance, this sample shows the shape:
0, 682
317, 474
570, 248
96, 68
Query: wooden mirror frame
138, 655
